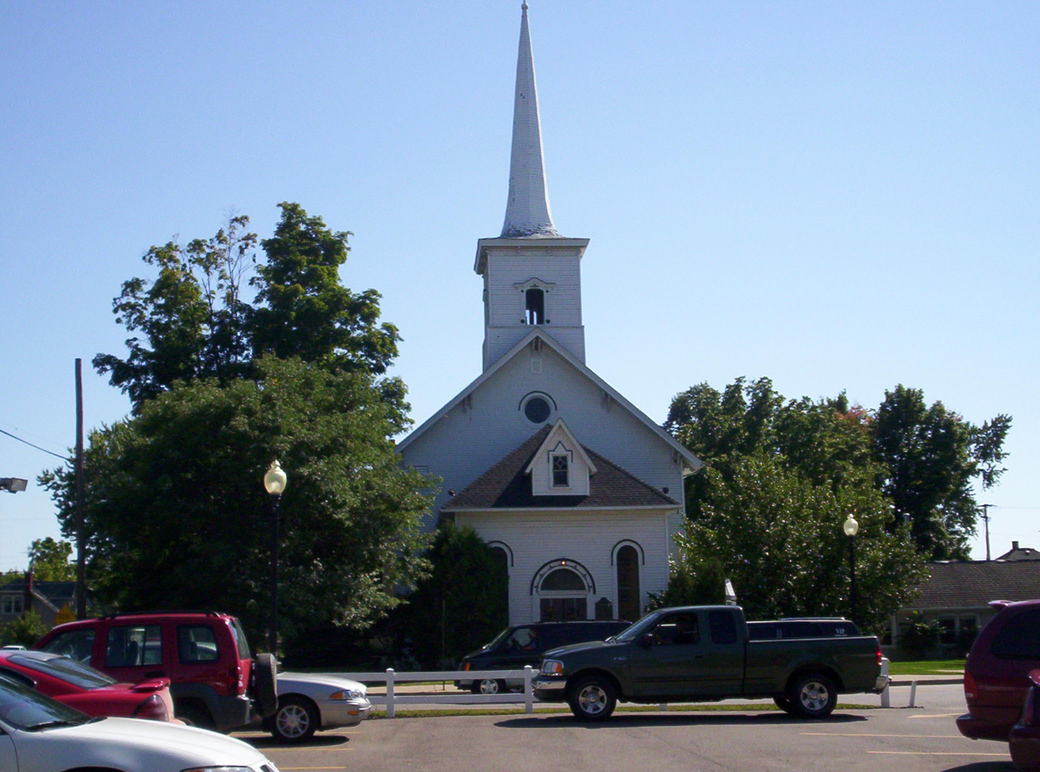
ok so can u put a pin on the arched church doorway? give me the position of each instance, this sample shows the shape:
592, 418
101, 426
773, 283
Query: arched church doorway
562, 590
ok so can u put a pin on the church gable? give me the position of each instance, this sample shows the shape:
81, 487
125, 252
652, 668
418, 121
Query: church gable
560, 466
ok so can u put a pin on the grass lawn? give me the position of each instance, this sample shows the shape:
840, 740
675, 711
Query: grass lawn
928, 667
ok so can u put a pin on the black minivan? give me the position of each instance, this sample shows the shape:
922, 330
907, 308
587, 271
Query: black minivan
521, 645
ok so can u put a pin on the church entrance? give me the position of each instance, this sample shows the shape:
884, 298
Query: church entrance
563, 594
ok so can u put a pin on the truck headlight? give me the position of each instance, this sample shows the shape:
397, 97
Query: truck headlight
552, 667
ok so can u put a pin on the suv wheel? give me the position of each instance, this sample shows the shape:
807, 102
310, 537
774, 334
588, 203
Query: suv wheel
265, 684
489, 686
194, 716
593, 698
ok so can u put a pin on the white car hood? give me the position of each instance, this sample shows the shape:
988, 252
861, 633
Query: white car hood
290, 681
195, 746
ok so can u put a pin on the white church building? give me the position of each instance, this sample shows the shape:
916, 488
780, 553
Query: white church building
577, 490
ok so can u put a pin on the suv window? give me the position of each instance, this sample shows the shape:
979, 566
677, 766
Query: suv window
1020, 637
133, 645
196, 643
75, 644
678, 629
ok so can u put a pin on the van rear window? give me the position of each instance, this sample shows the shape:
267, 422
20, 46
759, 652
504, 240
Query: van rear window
1020, 637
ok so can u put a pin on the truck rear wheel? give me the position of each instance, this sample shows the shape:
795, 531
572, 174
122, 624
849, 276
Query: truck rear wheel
813, 695
592, 698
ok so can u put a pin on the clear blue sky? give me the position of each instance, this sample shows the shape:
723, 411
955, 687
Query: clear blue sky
834, 195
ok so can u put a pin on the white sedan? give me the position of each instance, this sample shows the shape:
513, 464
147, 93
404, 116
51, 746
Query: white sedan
311, 701
38, 734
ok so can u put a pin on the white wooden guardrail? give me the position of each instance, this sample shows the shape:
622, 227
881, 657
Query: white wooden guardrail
392, 677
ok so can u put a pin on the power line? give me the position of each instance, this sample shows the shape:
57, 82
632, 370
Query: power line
37, 447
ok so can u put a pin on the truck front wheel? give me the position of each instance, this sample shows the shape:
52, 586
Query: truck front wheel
813, 695
593, 698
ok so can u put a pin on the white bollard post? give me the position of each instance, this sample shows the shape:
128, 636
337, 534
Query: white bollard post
390, 692
913, 694
886, 698
528, 689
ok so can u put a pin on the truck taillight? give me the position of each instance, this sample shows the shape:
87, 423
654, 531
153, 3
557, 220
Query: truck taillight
152, 708
878, 656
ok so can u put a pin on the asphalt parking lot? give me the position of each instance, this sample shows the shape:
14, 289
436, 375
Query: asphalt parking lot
900, 738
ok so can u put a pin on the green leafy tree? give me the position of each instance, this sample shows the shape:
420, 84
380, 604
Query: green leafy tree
781, 477
462, 604
693, 580
192, 322
49, 560
931, 458
177, 517
23, 631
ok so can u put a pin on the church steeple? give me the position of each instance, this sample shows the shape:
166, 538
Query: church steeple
532, 275
527, 207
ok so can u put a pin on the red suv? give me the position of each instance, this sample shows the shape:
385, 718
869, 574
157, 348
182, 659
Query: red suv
996, 676
215, 681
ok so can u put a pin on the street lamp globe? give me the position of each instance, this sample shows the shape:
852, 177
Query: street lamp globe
275, 479
851, 526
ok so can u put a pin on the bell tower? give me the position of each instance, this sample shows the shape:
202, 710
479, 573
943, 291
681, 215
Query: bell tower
532, 274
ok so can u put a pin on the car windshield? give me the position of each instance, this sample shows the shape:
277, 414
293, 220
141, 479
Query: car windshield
22, 707
636, 629
75, 673
497, 639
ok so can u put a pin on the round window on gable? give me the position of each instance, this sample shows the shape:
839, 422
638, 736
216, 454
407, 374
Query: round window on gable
537, 410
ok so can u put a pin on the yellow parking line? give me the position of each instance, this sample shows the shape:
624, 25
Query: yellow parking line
866, 734
935, 753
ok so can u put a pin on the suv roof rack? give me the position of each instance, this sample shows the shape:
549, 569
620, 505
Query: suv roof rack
117, 614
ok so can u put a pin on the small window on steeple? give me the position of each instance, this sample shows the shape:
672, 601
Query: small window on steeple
534, 306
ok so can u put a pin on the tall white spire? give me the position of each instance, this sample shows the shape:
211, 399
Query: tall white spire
527, 208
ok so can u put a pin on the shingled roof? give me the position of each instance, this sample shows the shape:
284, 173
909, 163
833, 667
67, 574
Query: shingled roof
973, 584
505, 486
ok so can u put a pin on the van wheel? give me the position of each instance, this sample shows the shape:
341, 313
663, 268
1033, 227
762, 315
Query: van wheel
592, 698
489, 686
812, 696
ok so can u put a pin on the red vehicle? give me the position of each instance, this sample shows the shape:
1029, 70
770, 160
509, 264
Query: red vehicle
996, 675
1024, 740
215, 680
84, 688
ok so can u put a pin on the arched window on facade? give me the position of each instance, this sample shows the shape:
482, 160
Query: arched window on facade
534, 306
501, 562
627, 561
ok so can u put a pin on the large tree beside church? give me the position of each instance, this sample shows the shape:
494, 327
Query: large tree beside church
782, 475
176, 514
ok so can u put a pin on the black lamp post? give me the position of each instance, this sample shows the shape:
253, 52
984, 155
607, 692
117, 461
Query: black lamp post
274, 483
851, 528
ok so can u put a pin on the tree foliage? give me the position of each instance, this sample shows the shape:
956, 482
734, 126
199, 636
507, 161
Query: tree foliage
191, 321
462, 604
924, 459
781, 477
49, 560
931, 457
176, 514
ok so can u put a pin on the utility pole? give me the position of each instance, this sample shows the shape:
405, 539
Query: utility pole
985, 520
81, 562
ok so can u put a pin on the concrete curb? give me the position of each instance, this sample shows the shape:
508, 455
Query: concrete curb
927, 681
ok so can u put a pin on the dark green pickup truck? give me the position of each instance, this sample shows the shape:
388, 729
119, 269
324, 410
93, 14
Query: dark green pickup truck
702, 653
